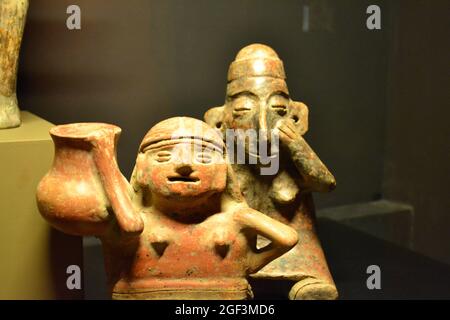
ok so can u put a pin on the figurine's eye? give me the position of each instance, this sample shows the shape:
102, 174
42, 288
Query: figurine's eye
242, 108
279, 103
280, 109
242, 105
163, 156
203, 157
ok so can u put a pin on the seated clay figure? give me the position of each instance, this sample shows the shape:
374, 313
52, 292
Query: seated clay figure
257, 98
191, 235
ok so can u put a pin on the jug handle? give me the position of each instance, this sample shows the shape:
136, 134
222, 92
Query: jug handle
116, 189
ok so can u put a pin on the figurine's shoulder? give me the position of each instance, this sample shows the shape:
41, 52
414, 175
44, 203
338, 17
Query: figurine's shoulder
218, 219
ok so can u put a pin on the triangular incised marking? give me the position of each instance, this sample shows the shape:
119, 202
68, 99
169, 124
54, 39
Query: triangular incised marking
222, 250
262, 242
160, 247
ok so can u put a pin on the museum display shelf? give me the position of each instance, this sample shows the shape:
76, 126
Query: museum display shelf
35, 257
404, 274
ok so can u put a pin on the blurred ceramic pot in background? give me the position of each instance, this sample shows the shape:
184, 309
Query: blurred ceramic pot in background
12, 22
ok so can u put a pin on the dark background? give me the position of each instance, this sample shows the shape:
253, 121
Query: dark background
378, 99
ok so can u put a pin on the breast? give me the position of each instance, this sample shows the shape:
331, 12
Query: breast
194, 251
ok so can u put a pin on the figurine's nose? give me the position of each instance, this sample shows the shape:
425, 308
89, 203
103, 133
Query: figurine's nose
262, 119
184, 170
262, 124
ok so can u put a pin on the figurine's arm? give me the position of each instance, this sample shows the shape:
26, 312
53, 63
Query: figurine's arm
314, 173
282, 237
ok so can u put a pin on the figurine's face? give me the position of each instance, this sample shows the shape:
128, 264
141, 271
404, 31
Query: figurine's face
256, 103
182, 170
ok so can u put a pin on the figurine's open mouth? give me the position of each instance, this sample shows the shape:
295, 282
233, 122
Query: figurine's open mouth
183, 179
268, 153
258, 156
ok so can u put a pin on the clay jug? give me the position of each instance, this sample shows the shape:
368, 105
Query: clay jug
84, 190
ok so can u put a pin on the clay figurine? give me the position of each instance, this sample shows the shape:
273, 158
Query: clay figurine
12, 23
257, 98
180, 230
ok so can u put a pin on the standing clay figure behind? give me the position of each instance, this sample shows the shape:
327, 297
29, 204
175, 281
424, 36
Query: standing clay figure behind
12, 23
257, 99
198, 239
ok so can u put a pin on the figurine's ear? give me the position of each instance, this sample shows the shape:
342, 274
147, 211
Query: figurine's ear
299, 113
232, 195
214, 117
137, 184
233, 189
133, 180
136, 176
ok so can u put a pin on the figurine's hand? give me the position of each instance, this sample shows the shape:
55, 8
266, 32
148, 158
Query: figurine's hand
243, 215
287, 132
282, 236
315, 175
